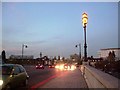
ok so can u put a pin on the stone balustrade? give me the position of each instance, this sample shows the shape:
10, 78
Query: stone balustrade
98, 79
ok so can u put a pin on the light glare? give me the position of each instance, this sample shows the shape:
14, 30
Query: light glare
1, 82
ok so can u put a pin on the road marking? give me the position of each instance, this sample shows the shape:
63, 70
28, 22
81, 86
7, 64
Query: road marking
43, 82
60, 74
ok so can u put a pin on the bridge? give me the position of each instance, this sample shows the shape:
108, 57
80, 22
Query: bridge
98, 79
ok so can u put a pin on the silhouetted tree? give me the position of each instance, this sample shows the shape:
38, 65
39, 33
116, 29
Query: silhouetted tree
63, 58
4, 56
91, 57
55, 58
111, 56
46, 58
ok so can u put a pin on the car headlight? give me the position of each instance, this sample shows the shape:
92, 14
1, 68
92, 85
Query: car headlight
1, 82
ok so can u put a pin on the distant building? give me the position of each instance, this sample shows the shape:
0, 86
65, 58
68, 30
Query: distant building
103, 53
20, 57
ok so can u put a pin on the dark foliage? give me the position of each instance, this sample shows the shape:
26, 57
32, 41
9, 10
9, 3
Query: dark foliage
3, 56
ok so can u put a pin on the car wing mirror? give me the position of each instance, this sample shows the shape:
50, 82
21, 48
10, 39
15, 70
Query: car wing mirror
13, 74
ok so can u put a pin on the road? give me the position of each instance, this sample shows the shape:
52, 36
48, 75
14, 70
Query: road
39, 77
52, 78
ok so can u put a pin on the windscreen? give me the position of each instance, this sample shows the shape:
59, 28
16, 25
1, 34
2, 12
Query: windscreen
6, 70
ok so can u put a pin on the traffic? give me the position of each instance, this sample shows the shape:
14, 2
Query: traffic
16, 75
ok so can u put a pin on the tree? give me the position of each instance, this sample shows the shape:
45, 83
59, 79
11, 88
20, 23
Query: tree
111, 56
63, 58
4, 56
55, 58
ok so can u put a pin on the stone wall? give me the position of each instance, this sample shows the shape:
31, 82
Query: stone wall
98, 79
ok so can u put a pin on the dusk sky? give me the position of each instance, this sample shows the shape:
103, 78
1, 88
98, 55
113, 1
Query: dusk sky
55, 28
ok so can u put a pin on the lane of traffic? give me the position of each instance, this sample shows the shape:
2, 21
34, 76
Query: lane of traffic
39, 75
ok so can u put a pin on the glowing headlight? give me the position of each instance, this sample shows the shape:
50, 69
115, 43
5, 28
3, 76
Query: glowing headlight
56, 66
61, 67
1, 82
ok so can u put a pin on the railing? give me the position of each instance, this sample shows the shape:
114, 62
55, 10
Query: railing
98, 79
111, 68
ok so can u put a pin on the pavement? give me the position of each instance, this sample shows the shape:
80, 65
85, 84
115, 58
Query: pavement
67, 79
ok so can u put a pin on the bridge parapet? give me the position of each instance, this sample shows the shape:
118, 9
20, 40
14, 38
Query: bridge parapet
98, 79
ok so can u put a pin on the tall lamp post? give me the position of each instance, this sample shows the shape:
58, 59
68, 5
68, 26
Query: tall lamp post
79, 50
84, 22
23, 46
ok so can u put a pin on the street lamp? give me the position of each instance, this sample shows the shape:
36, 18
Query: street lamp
79, 50
23, 46
84, 22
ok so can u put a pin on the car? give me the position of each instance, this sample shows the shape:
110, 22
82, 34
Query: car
13, 75
39, 66
65, 66
51, 66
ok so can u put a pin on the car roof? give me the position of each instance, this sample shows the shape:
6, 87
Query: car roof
11, 65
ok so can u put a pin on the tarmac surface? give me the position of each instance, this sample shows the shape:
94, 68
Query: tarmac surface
67, 79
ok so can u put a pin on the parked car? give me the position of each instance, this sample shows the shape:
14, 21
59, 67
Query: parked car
39, 66
13, 75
